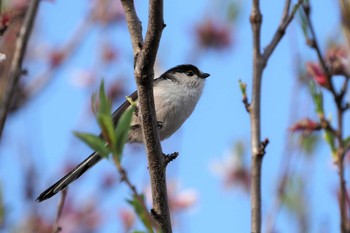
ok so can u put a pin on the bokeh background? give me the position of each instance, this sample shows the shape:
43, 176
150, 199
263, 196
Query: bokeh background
75, 44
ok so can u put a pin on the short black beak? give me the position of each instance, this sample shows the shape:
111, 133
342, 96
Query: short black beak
204, 75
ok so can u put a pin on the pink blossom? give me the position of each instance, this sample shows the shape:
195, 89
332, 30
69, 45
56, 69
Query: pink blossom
338, 60
317, 73
212, 34
305, 125
127, 218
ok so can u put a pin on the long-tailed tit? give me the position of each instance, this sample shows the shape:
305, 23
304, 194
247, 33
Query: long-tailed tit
176, 94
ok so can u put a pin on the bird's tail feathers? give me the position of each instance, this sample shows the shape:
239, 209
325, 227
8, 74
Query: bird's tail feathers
70, 177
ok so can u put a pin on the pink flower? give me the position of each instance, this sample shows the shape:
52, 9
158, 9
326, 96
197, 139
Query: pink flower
317, 73
338, 60
214, 35
305, 125
127, 218
56, 58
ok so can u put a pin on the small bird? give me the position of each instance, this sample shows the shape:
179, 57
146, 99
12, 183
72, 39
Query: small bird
176, 94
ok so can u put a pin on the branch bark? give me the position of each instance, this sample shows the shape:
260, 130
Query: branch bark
16, 65
259, 63
145, 54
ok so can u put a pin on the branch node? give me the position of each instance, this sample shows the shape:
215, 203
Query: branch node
170, 157
262, 147
256, 18
246, 104
155, 215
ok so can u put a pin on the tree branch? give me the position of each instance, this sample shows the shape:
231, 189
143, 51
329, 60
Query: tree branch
286, 19
134, 25
255, 198
56, 227
145, 56
16, 65
259, 63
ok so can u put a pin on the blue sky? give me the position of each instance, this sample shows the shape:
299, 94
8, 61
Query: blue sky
218, 121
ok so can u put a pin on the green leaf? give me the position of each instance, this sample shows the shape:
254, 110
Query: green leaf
329, 138
346, 142
95, 142
243, 87
106, 124
303, 23
141, 211
122, 130
317, 97
105, 104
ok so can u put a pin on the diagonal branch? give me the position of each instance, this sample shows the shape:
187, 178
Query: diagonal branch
16, 65
286, 19
134, 25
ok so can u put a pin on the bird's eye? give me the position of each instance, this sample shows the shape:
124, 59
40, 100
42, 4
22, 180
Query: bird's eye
190, 73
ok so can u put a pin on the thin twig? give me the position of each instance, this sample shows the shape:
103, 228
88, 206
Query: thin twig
56, 227
338, 100
286, 19
170, 157
313, 42
16, 65
125, 178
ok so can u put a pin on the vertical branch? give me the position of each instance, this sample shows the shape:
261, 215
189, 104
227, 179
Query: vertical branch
16, 65
341, 108
259, 63
256, 20
145, 54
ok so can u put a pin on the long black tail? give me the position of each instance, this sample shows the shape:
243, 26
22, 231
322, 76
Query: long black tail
70, 177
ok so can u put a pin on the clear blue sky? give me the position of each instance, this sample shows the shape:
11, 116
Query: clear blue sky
44, 126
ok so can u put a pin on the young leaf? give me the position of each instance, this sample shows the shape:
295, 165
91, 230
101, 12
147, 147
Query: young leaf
317, 98
105, 105
329, 138
122, 130
243, 87
346, 142
96, 143
106, 124
141, 212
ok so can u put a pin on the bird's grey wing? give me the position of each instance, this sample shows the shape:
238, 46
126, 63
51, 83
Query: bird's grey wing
89, 162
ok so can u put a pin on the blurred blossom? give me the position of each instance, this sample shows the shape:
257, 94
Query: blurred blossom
34, 223
83, 78
2, 57
317, 73
4, 22
115, 89
305, 125
108, 53
338, 60
19, 5
179, 201
56, 58
127, 218
213, 34
109, 180
183, 200
233, 170
81, 218
107, 11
